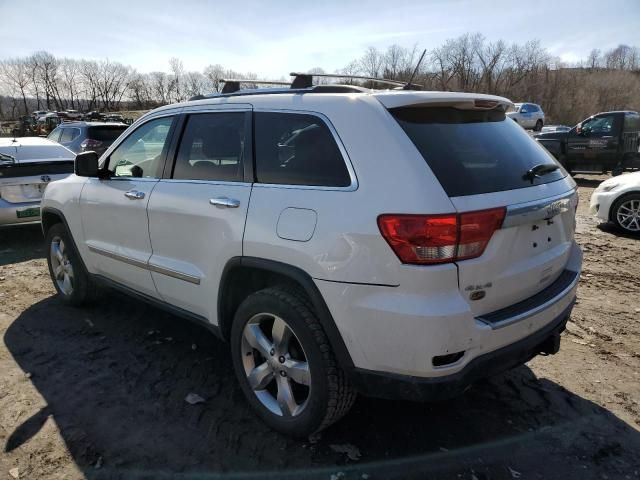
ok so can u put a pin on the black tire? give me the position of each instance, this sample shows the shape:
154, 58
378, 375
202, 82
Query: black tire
617, 170
329, 395
620, 203
83, 289
539, 125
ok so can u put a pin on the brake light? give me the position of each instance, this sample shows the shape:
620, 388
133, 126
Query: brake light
433, 239
90, 143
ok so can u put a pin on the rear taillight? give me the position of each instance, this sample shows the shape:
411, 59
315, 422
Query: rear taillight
432, 239
90, 143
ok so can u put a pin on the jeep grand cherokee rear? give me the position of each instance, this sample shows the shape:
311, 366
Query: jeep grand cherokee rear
402, 243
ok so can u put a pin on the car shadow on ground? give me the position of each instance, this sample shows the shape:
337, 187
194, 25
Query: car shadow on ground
21, 243
609, 227
588, 182
115, 376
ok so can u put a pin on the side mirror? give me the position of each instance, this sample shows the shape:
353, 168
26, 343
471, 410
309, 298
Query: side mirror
86, 164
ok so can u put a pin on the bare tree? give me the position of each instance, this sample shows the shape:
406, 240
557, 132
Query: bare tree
16, 76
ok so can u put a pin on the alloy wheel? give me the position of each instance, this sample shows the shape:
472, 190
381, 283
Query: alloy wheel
61, 266
628, 215
276, 365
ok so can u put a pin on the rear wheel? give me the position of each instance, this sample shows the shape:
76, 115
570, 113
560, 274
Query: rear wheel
626, 213
285, 365
538, 126
70, 279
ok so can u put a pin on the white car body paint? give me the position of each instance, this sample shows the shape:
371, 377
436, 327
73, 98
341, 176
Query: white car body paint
605, 195
393, 317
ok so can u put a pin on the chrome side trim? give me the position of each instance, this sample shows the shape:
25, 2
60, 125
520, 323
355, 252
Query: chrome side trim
539, 210
174, 274
117, 256
146, 266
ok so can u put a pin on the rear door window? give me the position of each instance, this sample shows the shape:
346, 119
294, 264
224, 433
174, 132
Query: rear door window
474, 151
297, 149
212, 148
631, 122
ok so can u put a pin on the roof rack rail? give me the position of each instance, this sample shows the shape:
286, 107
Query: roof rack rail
233, 84
305, 80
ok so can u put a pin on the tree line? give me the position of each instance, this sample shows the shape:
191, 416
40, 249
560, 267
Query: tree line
522, 72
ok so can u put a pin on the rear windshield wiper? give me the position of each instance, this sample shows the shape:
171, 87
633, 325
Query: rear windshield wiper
7, 158
539, 170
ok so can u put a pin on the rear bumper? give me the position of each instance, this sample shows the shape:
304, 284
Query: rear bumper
9, 212
394, 386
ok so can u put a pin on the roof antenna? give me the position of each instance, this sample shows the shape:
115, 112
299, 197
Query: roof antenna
408, 84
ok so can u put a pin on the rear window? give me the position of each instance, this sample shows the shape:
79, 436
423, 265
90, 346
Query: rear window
473, 151
44, 152
105, 134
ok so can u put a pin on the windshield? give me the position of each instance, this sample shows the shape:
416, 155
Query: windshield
473, 152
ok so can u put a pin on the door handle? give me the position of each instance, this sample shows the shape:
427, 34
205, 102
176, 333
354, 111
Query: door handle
225, 202
134, 195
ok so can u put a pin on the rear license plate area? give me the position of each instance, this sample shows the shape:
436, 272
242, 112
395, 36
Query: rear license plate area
28, 212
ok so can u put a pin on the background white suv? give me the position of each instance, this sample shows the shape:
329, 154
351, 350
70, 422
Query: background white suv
527, 115
398, 244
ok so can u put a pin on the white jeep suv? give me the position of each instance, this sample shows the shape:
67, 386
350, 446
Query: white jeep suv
398, 244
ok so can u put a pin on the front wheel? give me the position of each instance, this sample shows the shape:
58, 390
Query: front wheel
626, 213
285, 365
70, 279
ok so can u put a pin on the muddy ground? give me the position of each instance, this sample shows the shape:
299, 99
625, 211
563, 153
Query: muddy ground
99, 393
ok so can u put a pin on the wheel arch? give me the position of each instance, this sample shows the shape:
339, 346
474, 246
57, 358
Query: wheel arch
245, 275
51, 216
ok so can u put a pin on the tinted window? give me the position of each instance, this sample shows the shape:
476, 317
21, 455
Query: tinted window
212, 148
140, 154
533, 108
105, 134
598, 125
472, 151
44, 152
297, 149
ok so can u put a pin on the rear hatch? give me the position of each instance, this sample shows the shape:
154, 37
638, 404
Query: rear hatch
485, 161
99, 138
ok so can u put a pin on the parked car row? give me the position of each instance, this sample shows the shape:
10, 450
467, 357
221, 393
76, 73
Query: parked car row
66, 115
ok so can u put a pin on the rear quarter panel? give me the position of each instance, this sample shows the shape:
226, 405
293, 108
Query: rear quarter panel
347, 245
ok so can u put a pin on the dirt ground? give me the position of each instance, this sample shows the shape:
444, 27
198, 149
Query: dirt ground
100, 393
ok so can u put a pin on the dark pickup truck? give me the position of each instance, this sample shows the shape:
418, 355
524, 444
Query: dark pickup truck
605, 142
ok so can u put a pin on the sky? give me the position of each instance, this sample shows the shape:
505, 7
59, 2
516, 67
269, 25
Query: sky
279, 36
